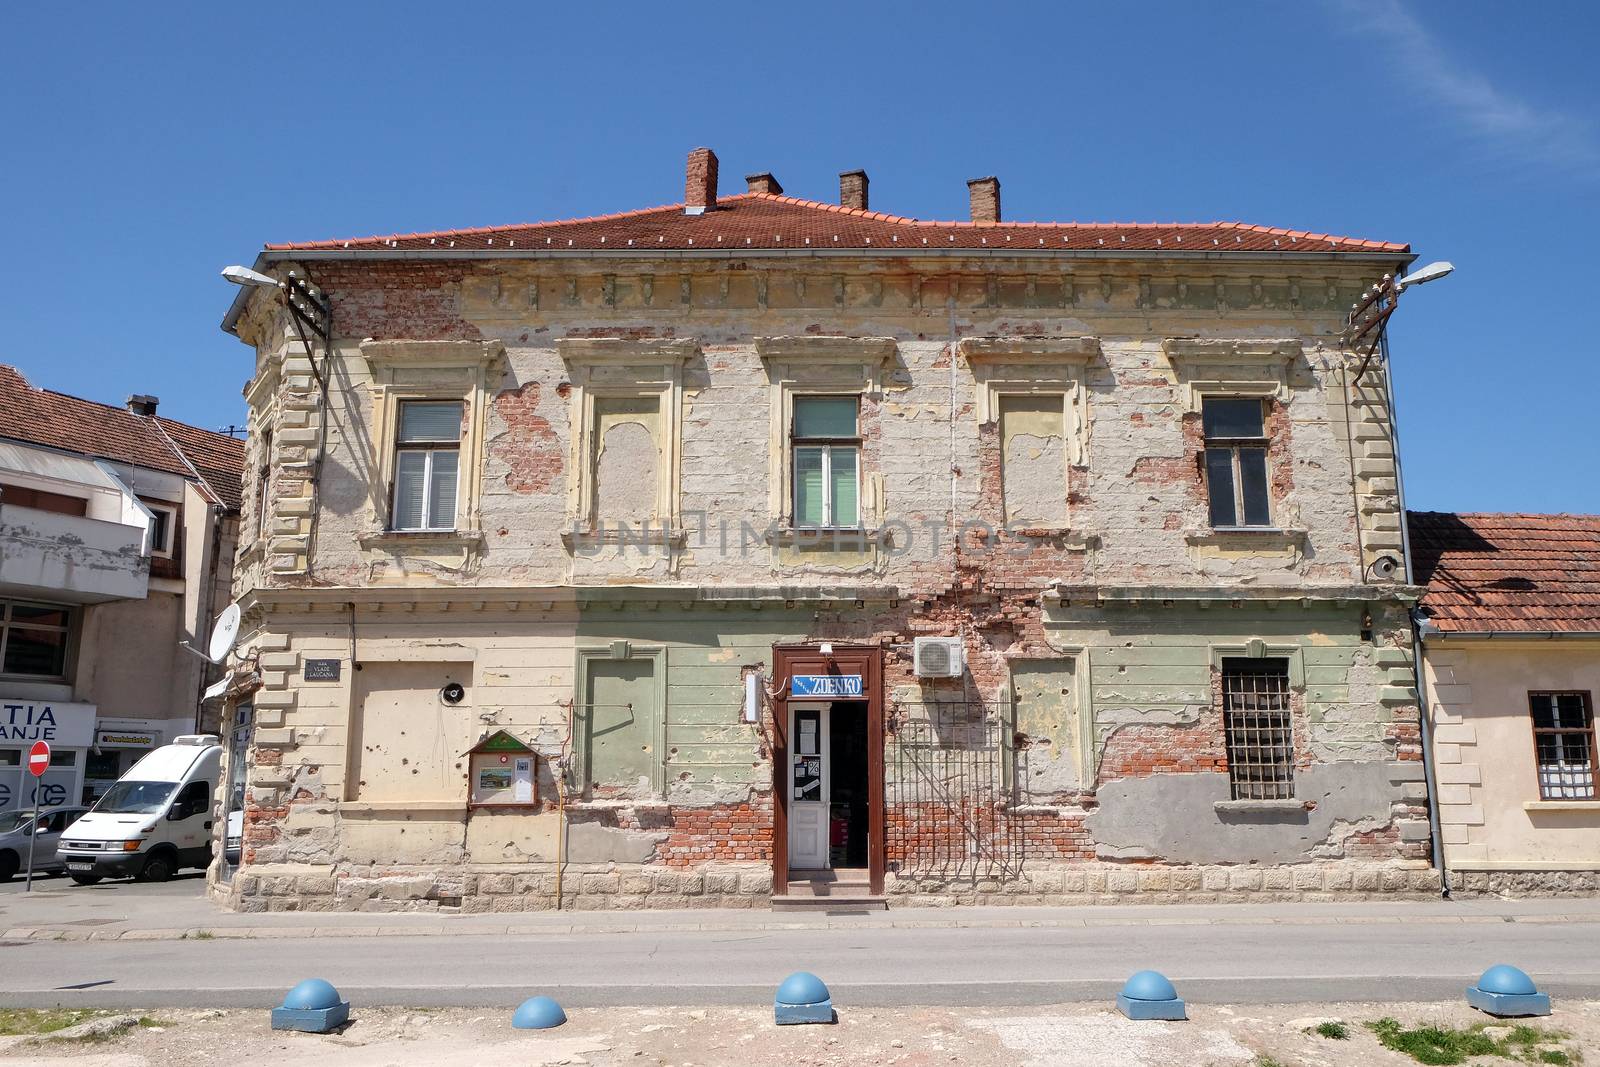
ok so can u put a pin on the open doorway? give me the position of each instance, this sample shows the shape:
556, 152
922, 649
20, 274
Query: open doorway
848, 803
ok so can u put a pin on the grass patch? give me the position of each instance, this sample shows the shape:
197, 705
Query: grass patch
15, 1022
1438, 1045
1333, 1030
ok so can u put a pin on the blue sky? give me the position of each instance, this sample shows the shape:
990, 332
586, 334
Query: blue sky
147, 146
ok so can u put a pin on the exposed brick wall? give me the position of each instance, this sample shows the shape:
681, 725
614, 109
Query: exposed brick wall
397, 301
530, 448
729, 833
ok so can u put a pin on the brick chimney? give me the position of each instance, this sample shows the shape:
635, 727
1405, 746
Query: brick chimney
984, 193
763, 183
140, 404
700, 182
853, 189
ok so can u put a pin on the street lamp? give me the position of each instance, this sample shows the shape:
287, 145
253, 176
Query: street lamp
1432, 272
245, 276
1369, 316
306, 305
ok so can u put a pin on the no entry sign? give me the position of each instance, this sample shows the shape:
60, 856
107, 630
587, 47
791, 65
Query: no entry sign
39, 758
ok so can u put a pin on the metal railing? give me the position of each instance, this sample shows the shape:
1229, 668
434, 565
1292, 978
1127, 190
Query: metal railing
947, 797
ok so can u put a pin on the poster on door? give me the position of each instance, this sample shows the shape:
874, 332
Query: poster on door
808, 778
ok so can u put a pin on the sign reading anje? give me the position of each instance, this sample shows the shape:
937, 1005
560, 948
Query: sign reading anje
826, 686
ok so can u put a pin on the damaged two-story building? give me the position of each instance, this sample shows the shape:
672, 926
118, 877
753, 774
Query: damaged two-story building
757, 549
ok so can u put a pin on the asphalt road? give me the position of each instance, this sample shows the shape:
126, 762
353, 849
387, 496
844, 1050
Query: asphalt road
1233, 963
183, 884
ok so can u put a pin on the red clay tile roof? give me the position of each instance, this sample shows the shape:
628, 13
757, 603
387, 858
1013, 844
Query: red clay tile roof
1508, 573
766, 221
56, 420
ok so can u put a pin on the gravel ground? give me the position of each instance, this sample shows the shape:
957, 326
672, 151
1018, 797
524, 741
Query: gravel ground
1068, 1036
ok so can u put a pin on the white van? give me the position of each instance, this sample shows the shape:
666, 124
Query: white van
155, 821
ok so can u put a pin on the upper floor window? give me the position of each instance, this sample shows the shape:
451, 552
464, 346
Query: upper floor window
33, 639
264, 483
825, 446
1563, 741
427, 465
163, 525
1236, 461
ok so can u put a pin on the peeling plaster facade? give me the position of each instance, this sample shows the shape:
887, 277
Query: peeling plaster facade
624, 553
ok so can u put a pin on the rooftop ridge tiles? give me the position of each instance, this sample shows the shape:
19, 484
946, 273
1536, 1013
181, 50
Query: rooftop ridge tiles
839, 209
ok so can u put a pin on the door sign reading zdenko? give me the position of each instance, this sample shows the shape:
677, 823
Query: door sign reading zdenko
826, 686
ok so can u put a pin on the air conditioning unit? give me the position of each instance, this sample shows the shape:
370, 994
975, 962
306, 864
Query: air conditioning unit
938, 657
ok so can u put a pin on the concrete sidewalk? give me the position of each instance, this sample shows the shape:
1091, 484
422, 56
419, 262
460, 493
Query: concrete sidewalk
59, 911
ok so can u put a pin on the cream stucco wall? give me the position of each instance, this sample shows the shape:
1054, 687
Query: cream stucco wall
1489, 808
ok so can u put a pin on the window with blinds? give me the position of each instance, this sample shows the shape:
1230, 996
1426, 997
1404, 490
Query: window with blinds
1563, 741
426, 468
825, 444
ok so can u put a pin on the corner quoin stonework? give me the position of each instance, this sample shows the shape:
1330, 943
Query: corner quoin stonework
1093, 639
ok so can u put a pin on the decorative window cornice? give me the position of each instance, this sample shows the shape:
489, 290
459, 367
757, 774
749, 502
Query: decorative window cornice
806, 349
1231, 366
389, 354
614, 350
1036, 350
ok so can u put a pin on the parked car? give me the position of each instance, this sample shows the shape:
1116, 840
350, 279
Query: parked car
156, 820
16, 828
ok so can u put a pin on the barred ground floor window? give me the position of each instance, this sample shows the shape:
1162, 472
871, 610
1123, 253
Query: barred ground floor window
1258, 727
1563, 741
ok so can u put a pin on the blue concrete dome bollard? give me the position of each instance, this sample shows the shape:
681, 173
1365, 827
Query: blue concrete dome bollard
538, 1013
802, 998
1506, 991
1148, 995
312, 1007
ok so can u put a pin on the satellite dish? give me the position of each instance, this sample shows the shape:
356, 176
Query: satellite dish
225, 634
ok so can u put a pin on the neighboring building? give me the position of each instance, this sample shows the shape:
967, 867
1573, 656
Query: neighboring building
117, 534
1511, 642
560, 490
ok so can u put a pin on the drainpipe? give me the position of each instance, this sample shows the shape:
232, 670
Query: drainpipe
1417, 650
1424, 719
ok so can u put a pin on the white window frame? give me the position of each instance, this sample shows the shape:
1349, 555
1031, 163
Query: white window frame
826, 445
429, 450
467, 372
165, 551
805, 366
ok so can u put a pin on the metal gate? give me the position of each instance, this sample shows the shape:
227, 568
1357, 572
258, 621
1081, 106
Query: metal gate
946, 792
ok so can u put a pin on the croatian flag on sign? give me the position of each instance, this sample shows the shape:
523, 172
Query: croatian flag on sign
825, 686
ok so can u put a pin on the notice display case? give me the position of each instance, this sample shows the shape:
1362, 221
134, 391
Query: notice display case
503, 772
